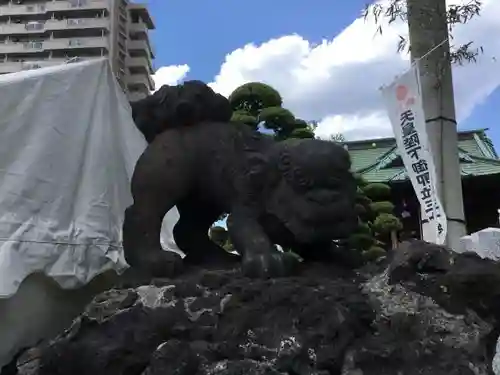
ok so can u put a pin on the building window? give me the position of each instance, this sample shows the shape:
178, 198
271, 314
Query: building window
33, 45
135, 18
33, 8
30, 66
33, 26
77, 3
75, 21
75, 42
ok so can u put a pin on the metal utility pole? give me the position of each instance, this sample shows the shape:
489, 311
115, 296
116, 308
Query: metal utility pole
429, 28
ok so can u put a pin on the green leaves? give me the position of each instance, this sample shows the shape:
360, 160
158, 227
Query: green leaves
257, 103
252, 97
376, 216
245, 118
384, 207
377, 191
386, 223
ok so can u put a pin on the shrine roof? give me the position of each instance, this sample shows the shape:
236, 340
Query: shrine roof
378, 160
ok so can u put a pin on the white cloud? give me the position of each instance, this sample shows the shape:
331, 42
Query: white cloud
364, 126
170, 75
337, 81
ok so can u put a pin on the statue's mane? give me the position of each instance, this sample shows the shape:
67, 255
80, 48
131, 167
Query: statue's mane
188, 104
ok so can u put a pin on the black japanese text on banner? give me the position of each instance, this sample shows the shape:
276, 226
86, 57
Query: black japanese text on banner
404, 106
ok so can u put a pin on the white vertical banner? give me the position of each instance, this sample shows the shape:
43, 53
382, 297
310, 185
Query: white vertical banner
403, 102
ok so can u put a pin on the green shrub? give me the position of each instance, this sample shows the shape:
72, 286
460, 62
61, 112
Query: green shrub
228, 246
375, 212
386, 223
384, 207
302, 133
244, 118
374, 253
364, 228
361, 182
219, 235
361, 241
377, 191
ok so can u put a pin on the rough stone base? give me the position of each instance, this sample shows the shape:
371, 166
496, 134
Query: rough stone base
323, 321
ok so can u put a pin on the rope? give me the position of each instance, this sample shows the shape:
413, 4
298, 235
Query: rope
417, 60
429, 52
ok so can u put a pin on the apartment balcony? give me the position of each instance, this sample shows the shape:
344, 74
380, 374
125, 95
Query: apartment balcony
138, 28
21, 28
140, 62
11, 66
53, 25
140, 80
142, 11
54, 44
76, 43
52, 6
140, 45
22, 47
77, 23
22, 10
56, 5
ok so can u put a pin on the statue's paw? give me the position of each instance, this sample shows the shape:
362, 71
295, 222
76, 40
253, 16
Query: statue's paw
272, 264
161, 264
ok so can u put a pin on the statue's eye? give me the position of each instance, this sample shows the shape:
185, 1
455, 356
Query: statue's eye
300, 180
285, 160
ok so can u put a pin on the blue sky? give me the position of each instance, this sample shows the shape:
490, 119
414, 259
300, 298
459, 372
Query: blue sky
218, 27
201, 34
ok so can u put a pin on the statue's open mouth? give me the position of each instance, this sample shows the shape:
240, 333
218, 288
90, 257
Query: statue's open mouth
317, 224
318, 215
290, 231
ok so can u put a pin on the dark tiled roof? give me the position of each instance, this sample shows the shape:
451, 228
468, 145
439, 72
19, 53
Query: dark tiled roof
377, 160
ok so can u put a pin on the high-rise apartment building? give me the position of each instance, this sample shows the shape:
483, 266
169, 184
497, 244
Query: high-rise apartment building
39, 33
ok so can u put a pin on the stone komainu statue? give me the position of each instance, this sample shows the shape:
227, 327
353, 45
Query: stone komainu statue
297, 193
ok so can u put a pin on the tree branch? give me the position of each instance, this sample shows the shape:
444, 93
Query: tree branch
456, 14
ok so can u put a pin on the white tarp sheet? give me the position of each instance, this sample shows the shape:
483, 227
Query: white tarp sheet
68, 147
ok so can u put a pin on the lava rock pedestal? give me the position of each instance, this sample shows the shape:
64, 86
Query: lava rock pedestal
323, 321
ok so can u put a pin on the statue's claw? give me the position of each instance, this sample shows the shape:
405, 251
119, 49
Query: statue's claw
269, 264
160, 264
